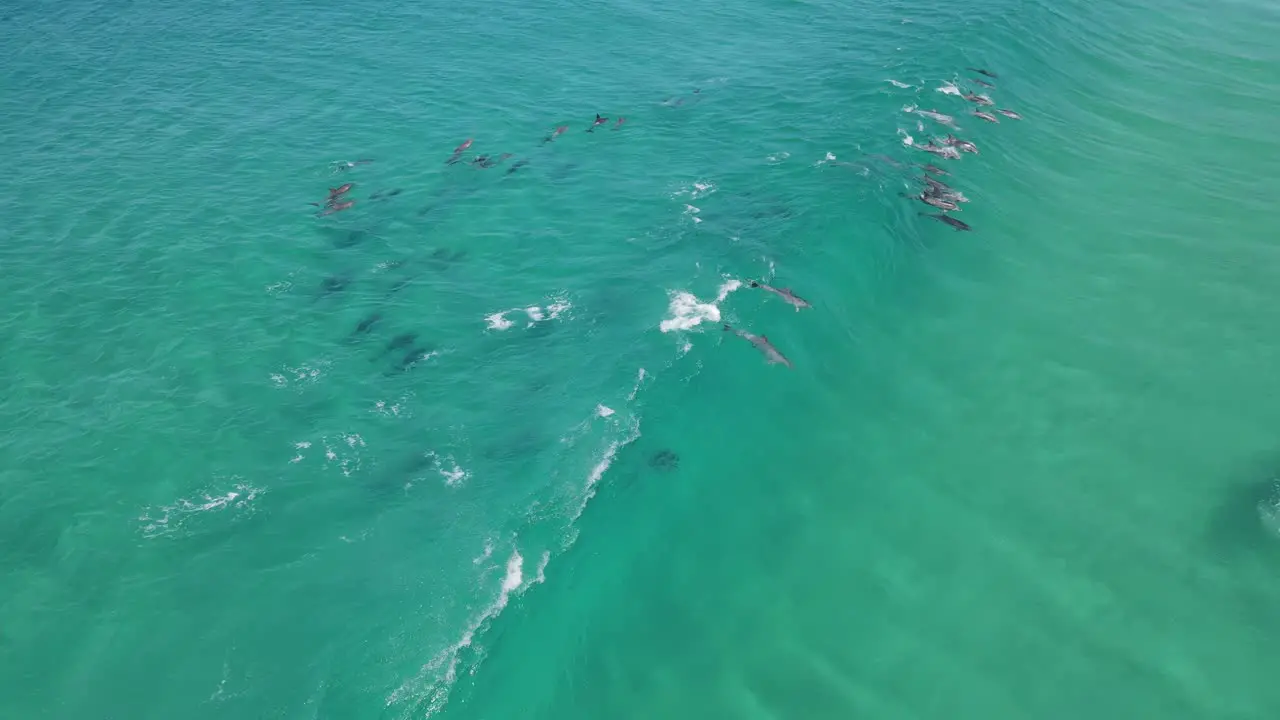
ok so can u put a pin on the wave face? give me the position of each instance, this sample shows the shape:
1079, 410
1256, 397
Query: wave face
479, 445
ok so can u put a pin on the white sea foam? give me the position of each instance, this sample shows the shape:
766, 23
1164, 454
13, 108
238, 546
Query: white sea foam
304, 374
498, 321
948, 88
485, 554
432, 685
342, 451
556, 307
400, 407
685, 311
541, 575
897, 83
176, 516
441, 672
606, 461
778, 157
449, 469
640, 376
695, 190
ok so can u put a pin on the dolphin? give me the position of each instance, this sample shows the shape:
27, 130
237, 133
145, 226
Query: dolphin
619, 124
366, 325
935, 185
988, 73
344, 165
555, 134
784, 293
959, 144
887, 159
983, 83
934, 169
943, 191
335, 284
980, 99
413, 357
946, 152
957, 224
986, 116
762, 344
952, 195
934, 200
335, 194
336, 207
516, 166
488, 161
599, 121
385, 194
932, 115
457, 152
399, 342
1009, 113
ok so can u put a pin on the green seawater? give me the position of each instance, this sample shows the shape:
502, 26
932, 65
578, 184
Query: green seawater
478, 447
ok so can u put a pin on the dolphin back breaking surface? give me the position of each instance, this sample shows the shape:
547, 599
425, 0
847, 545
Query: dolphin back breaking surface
762, 344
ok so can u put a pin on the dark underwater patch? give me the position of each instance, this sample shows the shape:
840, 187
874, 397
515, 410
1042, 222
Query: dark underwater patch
664, 460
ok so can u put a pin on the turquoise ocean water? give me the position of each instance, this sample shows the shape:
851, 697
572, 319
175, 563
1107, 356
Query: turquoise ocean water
477, 446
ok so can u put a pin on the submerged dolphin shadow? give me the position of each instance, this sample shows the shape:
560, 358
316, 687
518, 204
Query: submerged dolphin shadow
1246, 520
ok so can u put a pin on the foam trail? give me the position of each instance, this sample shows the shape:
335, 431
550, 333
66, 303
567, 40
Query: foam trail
438, 691
640, 376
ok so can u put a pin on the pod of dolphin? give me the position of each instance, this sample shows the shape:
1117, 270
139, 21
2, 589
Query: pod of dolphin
938, 193
934, 192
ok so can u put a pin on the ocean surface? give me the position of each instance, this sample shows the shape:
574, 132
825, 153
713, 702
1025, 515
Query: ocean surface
478, 446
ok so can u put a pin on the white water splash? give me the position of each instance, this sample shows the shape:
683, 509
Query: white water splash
536, 313
686, 311
498, 321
